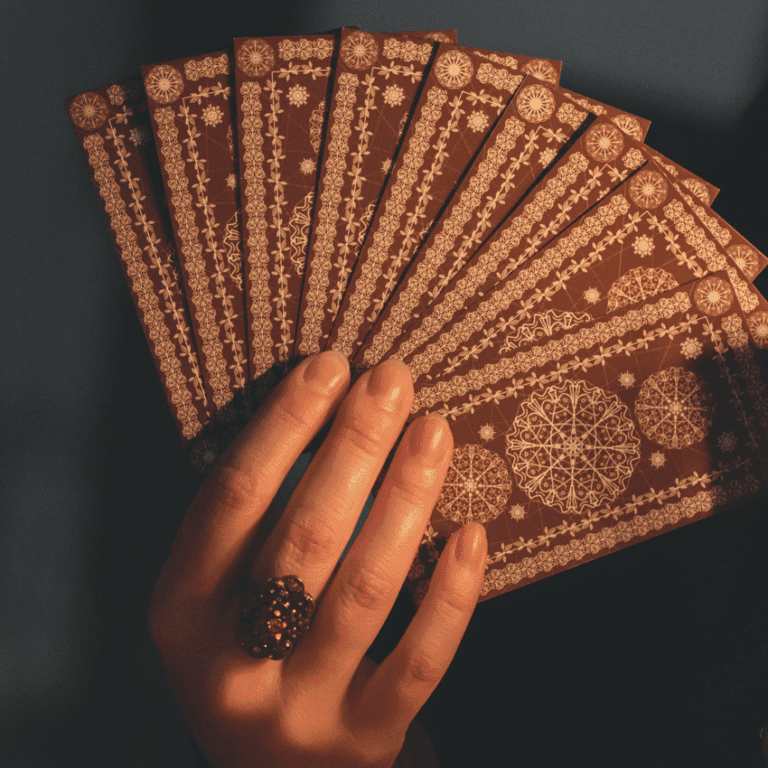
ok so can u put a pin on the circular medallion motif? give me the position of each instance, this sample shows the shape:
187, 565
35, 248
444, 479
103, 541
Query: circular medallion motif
164, 84
745, 259
255, 57
541, 70
535, 103
604, 142
88, 111
639, 284
674, 408
698, 188
359, 50
573, 446
476, 487
758, 327
629, 125
454, 69
713, 296
648, 189
203, 454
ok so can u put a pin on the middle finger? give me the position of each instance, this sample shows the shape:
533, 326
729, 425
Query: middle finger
321, 514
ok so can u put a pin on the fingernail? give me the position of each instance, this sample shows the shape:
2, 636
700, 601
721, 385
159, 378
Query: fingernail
471, 546
386, 383
427, 438
326, 371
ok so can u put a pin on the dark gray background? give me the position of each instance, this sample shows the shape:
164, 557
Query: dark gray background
654, 656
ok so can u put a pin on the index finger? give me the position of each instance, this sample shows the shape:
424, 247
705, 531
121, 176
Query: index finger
220, 524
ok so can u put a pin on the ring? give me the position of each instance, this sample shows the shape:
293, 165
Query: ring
274, 616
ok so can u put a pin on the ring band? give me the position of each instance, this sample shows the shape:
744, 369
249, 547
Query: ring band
274, 616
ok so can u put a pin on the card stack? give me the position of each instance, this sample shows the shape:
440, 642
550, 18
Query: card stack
560, 291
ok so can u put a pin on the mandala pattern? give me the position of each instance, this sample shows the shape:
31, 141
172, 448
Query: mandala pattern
629, 125
604, 142
573, 446
477, 122
727, 442
89, 111
639, 284
359, 50
477, 486
453, 69
745, 259
535, 103
675, 408
394, 95
212, 115
713, 296
255, 57
648, 189
690, 348
658, 459
164, 84
758, 327
116, 94
699, 189
541, 70
298, 96
643, 246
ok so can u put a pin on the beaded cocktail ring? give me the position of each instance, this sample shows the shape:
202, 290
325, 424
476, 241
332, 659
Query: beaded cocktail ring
273, 618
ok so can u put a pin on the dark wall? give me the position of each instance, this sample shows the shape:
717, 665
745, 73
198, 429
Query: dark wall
657, 655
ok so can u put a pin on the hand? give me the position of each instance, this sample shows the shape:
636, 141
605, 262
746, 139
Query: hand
327, 704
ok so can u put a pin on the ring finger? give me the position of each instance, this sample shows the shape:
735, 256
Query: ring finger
321, 514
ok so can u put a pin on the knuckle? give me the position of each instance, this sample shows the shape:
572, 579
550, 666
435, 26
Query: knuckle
423, 669
307, 539
368, 435
365, 589
453, 607
231, 488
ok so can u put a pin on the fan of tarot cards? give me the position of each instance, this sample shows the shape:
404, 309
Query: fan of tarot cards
562, 294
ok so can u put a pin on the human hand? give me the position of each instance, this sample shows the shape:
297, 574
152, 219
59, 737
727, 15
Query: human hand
327, 704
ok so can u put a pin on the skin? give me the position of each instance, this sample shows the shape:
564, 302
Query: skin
327, 704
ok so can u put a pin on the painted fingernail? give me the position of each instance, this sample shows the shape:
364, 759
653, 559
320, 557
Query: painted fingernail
386, 383
471, 546
427, 438
326, 371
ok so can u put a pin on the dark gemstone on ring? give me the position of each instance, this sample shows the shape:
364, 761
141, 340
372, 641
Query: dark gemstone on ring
273, 618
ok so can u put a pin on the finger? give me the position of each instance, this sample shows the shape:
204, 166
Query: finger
321, 515
225, 513
366, 586
406, 678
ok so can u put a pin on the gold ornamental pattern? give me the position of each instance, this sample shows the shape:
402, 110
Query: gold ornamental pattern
407, 50
165, 350
89, 111
573, 447
604, 142
476, 487
758, 327
541, 70
675, 408
745, 259
629, 125
304, 49
639, 284
403, 186
648, 189
446, 242
489, 260
535, 103
359, 50
164, 84
262, 356
201, 297
453, 69
713, 296
210, 66
255, 57
335, 167
482, 380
